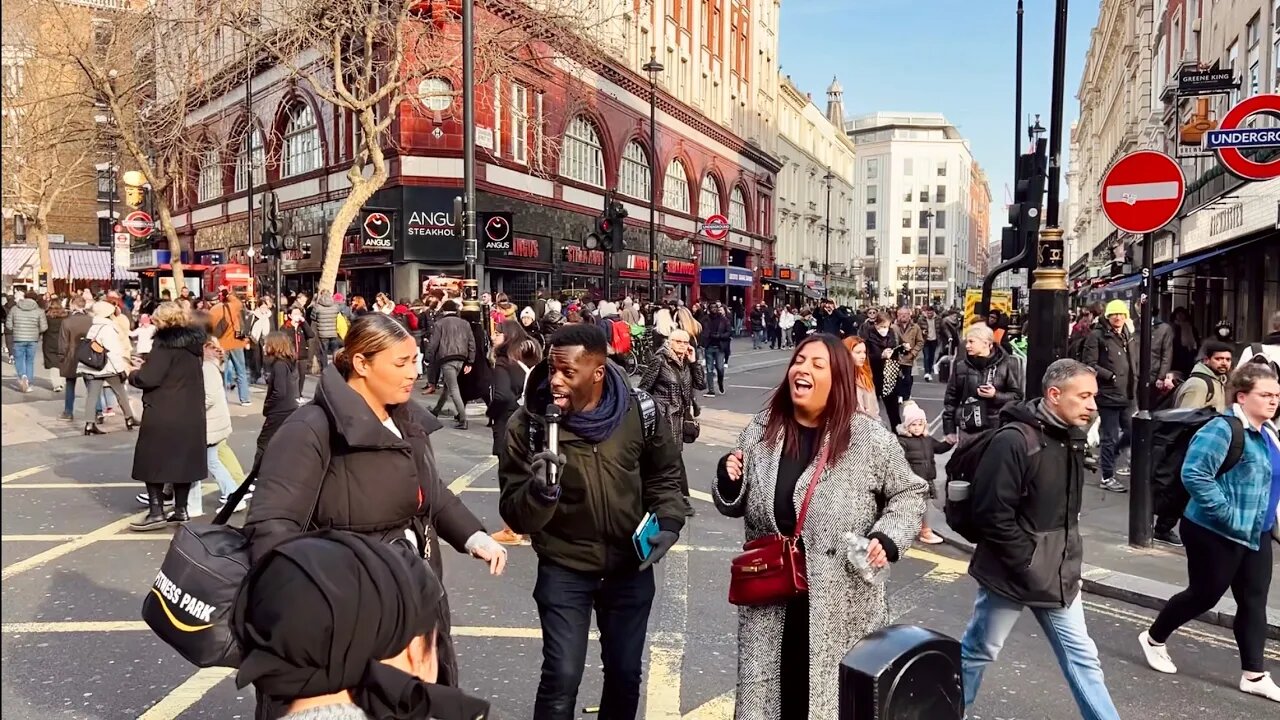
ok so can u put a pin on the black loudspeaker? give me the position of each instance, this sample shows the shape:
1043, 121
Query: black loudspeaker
902, 672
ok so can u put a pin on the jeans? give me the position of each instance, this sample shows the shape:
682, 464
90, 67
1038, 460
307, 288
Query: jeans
449, 372
758, 338
715, 369
24, 358
565, 599
218, 471
1214, 565
993, 619
1116, 429
69, 399
930, 354
235, 366
330, 346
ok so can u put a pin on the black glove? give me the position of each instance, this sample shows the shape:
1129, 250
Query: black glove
538, 469
660, 544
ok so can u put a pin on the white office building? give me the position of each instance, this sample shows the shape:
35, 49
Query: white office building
911, 208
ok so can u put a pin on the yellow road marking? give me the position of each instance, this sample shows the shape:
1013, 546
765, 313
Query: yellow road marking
481, 489
666, 655
700, 495
54, 537
70, 485
23, 473
37, 538
186, 694
718, 708
464, 481
71, 546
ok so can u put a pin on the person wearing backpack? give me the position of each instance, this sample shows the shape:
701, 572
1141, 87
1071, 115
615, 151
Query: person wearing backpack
1266, 352
1112, 350
1206, 386
1228, 527
1024, 495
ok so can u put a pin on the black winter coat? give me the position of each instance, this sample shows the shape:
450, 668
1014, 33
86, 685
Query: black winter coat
967, 373
673, 386
920, 452
51, 342
1114, 356
282, 388
171, 441
506, 388
1027, 501
717, 331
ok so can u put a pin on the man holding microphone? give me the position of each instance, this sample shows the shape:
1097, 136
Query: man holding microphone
598, 491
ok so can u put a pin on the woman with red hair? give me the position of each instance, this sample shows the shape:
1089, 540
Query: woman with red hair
811, 455
864, 381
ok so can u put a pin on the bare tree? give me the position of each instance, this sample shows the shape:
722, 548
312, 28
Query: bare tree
361, 56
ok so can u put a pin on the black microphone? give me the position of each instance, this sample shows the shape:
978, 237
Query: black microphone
553, 442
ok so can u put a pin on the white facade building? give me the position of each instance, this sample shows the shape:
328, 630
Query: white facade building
912, 209
817, 168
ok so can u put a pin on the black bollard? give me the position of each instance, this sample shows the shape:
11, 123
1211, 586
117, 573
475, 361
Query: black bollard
902, 672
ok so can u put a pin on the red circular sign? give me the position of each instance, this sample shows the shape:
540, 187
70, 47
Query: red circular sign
138, 224
716, 227
377, 225
1143, 191
1232, 158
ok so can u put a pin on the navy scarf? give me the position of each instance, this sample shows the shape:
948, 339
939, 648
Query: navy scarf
597, 425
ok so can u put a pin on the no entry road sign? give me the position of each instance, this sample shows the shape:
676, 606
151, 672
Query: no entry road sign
1143, 191
1229, 138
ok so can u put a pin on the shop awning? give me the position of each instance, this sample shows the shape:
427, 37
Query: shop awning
1127, 282
16, 259
789, 284
736, 276
1200, 257
813, 294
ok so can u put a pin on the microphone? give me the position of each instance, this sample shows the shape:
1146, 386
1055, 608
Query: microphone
553, 442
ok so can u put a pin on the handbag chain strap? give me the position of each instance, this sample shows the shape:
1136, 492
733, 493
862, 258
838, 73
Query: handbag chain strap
813, 484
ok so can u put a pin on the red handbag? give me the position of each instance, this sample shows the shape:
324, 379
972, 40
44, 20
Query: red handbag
771, 569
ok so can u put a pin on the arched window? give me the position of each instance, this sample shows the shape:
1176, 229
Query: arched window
634, 178
210, 184
737, 210
250, 155
709, 197
675, 187
301, 140
581, 156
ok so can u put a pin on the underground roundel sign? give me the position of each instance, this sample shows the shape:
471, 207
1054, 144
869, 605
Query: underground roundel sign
716, 227
1231, 138
1143, 191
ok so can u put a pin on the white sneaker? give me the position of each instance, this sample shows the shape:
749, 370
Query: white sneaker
1158, 656
244, 505
1262, 687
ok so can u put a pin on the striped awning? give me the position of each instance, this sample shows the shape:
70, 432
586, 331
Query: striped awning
16, 260
69, 263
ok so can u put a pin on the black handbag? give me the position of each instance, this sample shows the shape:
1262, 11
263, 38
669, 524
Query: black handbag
690, 428
972, 418
91, 353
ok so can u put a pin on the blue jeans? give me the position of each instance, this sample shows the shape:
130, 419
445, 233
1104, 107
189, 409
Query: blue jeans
715, 369
993, 619
24, 358
235, 366
565, 599
218, 471
69, 398
1117, 424
758, 338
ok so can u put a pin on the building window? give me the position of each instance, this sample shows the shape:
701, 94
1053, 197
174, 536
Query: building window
873, 168
737, 209
709, 197
908, 166
1233, 64
942, 168
906, 245
251, 154
922, 245
871, 246
940, 245
435, 94
301, 140
581, 156
520, 124
908, 196
940, 220
765, 226
106, 185
635, 172
924, 219
871, 194
210, 184
871, 220
906, 218
924, 193
941, 194
675, 187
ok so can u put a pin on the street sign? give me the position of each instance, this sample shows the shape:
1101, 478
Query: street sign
1230, 137
1143, 191
716, 227
121, 241
377, 231
496, 227
138, 224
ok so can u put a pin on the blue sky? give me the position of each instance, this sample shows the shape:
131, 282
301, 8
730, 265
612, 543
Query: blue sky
949, 56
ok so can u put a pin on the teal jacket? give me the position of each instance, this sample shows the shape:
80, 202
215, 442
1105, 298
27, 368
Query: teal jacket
1233, 504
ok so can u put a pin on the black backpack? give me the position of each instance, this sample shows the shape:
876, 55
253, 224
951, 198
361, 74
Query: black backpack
1171, 433
963, 467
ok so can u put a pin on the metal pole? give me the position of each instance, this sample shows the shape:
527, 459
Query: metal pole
248, 136
928, 262
1048, 327
1140, 500
826, 268
653, 185
111, 216
1017, 98
470, 285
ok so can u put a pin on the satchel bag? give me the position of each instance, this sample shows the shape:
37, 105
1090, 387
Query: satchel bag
91, 353
690, 428
972, 419
771, 569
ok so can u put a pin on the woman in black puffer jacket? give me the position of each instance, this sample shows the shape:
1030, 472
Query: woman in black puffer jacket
982, 381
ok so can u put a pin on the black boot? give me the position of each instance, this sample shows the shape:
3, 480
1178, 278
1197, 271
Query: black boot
180, 495
155, 510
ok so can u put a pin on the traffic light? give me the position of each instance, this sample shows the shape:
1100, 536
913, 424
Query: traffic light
607, 234
1024, 212
270, 225
617, 213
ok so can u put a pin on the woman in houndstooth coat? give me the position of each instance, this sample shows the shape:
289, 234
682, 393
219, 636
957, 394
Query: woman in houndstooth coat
673, 378
789, 654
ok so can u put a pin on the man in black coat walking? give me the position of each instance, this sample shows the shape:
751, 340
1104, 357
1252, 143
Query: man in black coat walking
717, 335
1112, 351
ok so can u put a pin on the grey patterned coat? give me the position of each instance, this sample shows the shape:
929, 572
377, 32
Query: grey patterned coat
842, 607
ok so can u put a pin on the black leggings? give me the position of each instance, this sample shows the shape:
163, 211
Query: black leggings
1214, 565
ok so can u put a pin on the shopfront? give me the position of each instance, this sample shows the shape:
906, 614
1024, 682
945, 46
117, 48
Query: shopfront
578, 272
781, 286
633, 276
678, 277
725, 283
521, 271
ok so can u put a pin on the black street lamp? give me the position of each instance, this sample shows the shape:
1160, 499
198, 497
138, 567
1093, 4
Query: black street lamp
928, 254
826, 267
653, 67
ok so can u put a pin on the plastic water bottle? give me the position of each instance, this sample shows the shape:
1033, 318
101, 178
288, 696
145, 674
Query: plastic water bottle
856, 553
